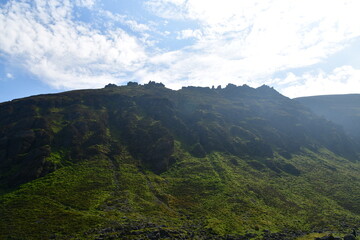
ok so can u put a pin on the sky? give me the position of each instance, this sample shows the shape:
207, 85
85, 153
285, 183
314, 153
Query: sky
301, 48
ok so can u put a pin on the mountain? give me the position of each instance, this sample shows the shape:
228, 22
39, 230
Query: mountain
147, 162
341, 109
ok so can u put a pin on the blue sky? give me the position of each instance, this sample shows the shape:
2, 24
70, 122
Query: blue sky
300, 48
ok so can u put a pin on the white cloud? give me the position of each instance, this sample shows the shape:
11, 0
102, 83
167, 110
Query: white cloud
341, 80
9, 76
189, 33
123, 19
66, 54
85, 3
248, 41
174, 9
231, 41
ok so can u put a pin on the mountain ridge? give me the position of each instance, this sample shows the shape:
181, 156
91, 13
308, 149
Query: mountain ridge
342, 109
200, 161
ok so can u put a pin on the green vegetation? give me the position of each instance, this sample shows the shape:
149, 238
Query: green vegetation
136, 162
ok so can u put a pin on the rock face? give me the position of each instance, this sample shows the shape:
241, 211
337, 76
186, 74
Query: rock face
24, 145
224, 163
341, 109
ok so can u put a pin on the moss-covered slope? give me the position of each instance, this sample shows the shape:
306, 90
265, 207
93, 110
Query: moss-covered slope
146, 162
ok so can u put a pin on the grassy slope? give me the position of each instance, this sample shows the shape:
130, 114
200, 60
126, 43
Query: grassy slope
220, 193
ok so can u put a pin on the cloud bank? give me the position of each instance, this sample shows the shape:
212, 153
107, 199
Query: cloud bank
248, 41
242, 42
47, 40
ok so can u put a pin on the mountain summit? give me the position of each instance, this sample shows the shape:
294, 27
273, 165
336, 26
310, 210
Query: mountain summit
138, 161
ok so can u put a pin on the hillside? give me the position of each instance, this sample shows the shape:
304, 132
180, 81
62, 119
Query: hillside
341, 109
147, 162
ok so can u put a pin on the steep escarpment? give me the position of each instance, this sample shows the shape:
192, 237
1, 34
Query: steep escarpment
340, 109
143, 159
